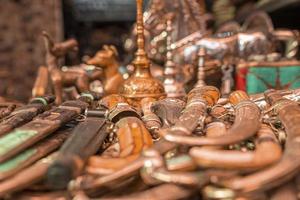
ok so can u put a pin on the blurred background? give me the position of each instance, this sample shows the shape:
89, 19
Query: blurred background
95, 23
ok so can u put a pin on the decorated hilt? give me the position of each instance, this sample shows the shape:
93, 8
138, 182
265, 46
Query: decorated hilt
168, 110
238, 96
118, 108
132, 135
207, 94
194, 114
25, 113
281, 105
155, 172
274, 97
245, 108
215, 129
151, 120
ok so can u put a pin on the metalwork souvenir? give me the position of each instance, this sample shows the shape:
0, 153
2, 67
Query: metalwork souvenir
85, 141
141, 84
106, 59
282, 171
173, 86
76, 76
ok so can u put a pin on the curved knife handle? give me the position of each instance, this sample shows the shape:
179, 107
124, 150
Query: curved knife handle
238, 96
150, 119
112, 101
210, 94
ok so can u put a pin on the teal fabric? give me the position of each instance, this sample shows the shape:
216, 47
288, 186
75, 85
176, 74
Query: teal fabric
262, 78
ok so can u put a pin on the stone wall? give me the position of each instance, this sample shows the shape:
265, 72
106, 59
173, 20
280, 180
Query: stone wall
21, 45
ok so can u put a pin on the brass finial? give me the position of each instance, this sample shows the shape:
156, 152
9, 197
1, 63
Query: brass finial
141, 84
201, 68
141, 58
173, 87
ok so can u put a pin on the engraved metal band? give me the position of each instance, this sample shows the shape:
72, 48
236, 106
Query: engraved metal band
41, 100
76, 109
196, 102
88, 95
181, 129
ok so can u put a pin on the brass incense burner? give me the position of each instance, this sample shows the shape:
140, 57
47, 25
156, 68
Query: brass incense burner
141, 84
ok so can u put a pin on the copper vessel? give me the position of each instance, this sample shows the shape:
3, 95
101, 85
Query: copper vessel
141, 84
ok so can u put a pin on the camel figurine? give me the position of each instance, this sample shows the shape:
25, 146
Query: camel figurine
106, 59
73, 76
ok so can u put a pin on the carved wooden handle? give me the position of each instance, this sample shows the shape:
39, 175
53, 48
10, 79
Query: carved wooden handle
238, 96
209, 93
111, 101
146, 105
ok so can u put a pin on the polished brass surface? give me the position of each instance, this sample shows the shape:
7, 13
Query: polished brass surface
141, 84
76, 77
208, 143
201, 68
173, 87
106, 59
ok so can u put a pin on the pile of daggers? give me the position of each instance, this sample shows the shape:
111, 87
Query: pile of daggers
205, 147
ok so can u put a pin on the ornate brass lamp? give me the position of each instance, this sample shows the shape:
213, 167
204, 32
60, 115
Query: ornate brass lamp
141, 84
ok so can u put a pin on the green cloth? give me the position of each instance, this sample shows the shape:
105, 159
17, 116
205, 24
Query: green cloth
259, 79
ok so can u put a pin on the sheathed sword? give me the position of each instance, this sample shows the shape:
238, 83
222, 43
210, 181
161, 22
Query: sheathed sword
25, 113
43, 125
199, 101
84, 142
27, 177
34, 153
